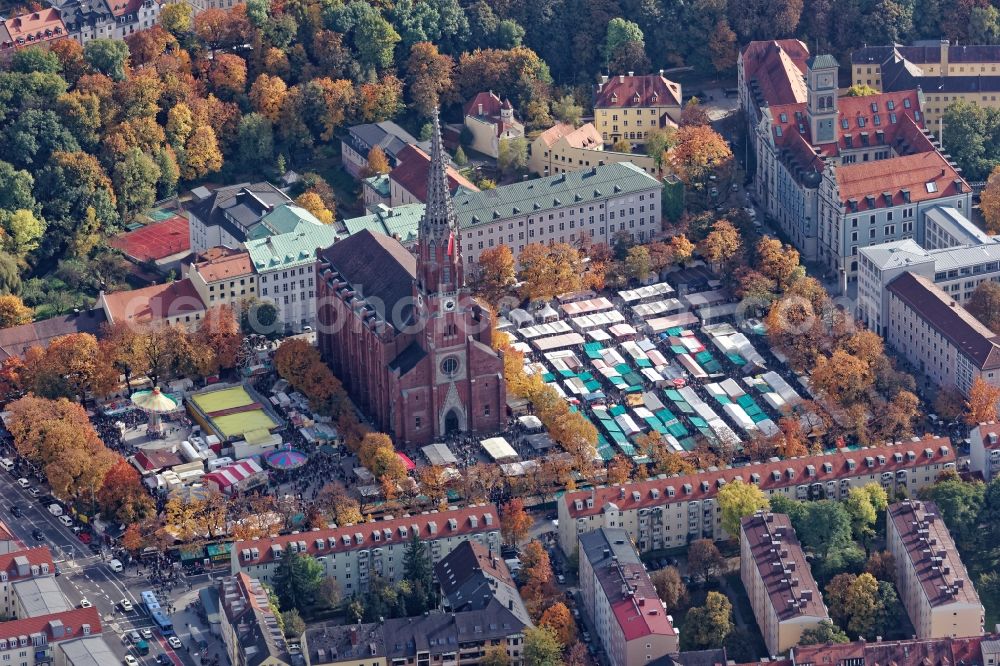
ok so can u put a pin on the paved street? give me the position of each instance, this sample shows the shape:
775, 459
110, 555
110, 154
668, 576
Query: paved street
84, 575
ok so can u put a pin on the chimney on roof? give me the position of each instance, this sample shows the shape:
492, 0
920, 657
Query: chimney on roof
621, 78
661, 72
631, 74
354, 636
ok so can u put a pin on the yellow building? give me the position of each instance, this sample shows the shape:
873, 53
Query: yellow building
627, 107
564, 148
932, 581
783, 594
945, 73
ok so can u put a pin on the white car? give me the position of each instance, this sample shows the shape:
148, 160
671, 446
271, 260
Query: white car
85, 604
126, 605
131, 661
146, 633
66, 520
174, 642
23, 482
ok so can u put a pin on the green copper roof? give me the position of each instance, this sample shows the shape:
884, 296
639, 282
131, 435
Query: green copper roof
284, 219
529, 197
400, 222
290, 250
379, 183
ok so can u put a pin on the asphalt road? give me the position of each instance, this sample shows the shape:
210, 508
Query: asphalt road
84, 575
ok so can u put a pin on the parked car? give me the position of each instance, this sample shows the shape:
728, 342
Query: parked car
15, 511
561, 578
84, 603
126, 605
66, 521
174, 642
147, 633
23, 482
134, 637
131, 661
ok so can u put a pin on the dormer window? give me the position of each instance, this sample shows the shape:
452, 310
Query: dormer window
861, 121
890, 105
906, 103
783, 117
845, 123
874, 107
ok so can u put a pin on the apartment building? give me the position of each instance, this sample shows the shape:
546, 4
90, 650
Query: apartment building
352, 554
248, 626
627, 107
983, 650
491, 120
668, 512
84, 651
285, 267
230, 216
960, 257
20, 564
947, 73
360, 139
601, 201
38, 28
226, 278
472, 576
563, 147
344, 645
938, 336
171, 303
932, 581
840, 174
984, 450
783, 593
43, 640
87, 20
630, 620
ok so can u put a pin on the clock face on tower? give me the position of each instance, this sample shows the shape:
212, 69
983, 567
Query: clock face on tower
824, 81
449, 305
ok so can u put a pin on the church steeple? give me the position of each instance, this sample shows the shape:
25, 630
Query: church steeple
439, 259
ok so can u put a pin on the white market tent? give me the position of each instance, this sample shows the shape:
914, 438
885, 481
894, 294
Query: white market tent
646, 310
681, 319
647, 291
558, 341
439, 454
530, 422
498, 448
586, 307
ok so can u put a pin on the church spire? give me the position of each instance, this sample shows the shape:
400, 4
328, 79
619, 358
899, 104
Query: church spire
439, 259
439, 217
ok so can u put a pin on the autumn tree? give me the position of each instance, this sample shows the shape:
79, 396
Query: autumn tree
699, 153
378, 163
843, 377
989, 202
72, 367
778, 262
981, 406
711, 623
219, 333
558, 618
694, 114
13, 311
541, 647
984, 304
201, 155
669, 587
704, 560
515, 521
378, 455
638, 263
722, 244
267, 95
314, 204
495, 274
176, 19
738, 500
122, 497
549, 270
428, 77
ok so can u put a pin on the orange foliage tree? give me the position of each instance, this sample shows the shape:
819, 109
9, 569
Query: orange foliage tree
515, 521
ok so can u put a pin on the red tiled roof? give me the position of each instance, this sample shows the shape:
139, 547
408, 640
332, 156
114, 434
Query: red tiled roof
950, 319
72, 622
485, 515
637, 91
35, 27
491, 105
622, 497
226, 267
910, 172
775, 69
155, 241
921, 652
35, 557
155, 459
411, 173
124, 7
154, 303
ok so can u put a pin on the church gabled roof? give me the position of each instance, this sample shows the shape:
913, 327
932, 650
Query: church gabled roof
379, 268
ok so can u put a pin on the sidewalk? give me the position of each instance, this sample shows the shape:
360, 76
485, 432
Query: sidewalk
183, 620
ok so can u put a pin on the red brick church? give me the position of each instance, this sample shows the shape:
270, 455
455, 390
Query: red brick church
404, 334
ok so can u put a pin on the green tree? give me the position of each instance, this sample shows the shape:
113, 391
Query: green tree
863, 505
960, 504
708, 626
35, 59
704, 560
620, 33
420, 575
255, 140
135, 178
16, 188
512, 155
825, 632
22, 231
107, 56
294, 625
296, 580
738, 500
460, 159
541, 647
170, 172
984, 25
969, 132
176, 18
658, 142
822, 526
566, 110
